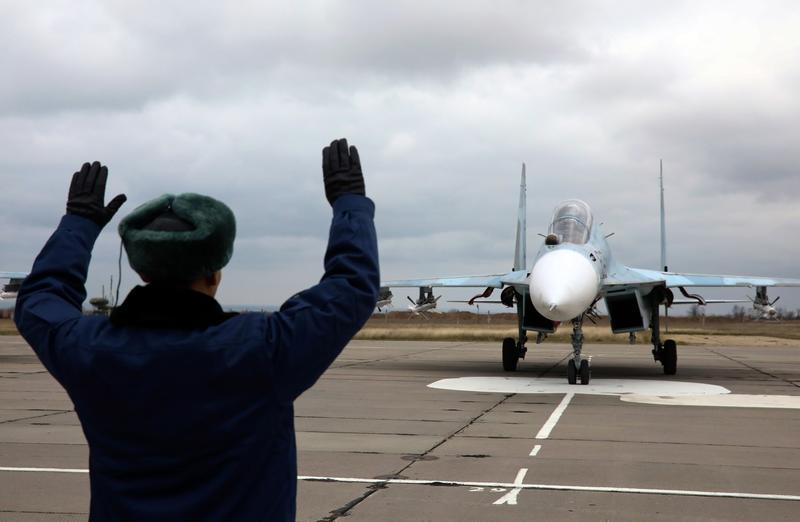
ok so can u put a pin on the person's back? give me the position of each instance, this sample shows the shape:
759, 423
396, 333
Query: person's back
187, 409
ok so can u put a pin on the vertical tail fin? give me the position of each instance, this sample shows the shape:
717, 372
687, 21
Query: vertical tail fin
520, 261
663, 225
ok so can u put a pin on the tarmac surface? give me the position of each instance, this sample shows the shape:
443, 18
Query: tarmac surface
377, 443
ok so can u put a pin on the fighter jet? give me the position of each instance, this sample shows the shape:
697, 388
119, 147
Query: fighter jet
9, 290
572, 272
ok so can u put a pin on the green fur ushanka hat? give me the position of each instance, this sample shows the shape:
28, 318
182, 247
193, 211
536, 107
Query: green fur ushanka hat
178, 238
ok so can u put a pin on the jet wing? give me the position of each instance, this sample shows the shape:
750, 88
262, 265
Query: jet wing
642, 276
478, 281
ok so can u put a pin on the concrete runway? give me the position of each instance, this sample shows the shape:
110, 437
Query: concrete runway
377, 443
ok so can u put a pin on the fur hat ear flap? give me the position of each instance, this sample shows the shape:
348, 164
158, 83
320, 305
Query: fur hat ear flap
179, 238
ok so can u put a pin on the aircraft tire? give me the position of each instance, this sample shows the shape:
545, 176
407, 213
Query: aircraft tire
572, 372
669, 357
586, 372
510, 354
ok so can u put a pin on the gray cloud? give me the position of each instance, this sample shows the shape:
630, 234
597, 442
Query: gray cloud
117, 55
445, 101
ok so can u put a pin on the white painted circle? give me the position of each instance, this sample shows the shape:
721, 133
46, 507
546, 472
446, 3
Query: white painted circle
596, 387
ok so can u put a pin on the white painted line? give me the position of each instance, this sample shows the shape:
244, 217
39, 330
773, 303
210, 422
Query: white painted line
510, 498
559, 487
554, 417
457, 483
46, 470
535, 450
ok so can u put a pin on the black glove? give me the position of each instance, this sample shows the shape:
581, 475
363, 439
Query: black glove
341, 170
87, 193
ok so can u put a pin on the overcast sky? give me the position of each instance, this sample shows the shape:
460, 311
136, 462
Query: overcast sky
444, 100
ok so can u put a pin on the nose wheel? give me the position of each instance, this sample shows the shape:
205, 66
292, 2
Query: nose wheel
582, 371
578, 367
585, 372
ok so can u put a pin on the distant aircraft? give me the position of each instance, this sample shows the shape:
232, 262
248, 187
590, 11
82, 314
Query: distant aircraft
574, 270
9, 290
425, 303
762, 307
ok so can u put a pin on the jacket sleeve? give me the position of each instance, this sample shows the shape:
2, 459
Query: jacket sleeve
51, 296
313, 327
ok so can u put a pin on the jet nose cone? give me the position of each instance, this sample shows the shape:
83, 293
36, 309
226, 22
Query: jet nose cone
563, 284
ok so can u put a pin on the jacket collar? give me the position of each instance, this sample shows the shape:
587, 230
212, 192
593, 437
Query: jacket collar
162, 306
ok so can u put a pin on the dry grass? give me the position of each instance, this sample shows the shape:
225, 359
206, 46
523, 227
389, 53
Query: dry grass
468, 332
464, 326
7, 327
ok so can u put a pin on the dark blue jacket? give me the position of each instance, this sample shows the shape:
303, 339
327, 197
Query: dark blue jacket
195, 423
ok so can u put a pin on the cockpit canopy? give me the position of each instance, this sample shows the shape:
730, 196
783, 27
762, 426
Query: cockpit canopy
572, 222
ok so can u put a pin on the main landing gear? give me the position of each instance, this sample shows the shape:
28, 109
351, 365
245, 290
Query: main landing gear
666, 353
513, 352
578, 367
510, 354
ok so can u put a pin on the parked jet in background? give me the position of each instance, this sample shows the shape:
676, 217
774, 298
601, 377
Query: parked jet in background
9, 290
573, 270
762, 307
425, 303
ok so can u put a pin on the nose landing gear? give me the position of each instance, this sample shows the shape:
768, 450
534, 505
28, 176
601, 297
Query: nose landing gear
578, 366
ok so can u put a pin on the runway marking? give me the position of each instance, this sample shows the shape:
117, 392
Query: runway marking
535, 450
458, 483
554, 417
45, 470
559, 487
510, 498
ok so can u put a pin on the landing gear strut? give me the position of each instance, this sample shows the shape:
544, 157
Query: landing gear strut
666, 353
577, 366
514, 351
